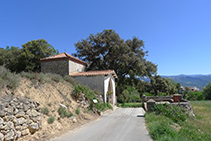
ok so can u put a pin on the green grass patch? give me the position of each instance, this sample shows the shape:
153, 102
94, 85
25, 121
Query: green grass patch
132, 105
163, 126
51, 120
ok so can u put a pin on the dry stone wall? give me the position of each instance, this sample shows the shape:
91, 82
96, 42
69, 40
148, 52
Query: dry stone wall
18, 117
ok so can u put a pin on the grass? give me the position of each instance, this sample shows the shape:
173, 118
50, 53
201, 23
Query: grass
163, 127
51, 120
133, 105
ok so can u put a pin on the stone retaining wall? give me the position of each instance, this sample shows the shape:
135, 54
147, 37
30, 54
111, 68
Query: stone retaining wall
18, 117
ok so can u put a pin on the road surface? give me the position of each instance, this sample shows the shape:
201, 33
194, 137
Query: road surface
124, 124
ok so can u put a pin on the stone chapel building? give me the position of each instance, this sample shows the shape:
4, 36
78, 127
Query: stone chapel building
65, 64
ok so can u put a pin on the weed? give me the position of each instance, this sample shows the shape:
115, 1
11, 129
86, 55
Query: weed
62, 112
70, 114
70, 80
51, 120
77, 111
49, 104
45, 111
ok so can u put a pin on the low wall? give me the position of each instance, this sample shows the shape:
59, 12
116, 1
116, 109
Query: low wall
18, 117
148, 102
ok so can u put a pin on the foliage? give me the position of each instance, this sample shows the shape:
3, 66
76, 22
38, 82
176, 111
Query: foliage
79, 89
163, 85
62, 112
195, 96
207, 91
77, 111
32, 52
51, 120
194, 128
45, 111
70, 114
9, 57
173, 112
134, 105
129, 95
106, 50
8, 79
161, 128
70, 80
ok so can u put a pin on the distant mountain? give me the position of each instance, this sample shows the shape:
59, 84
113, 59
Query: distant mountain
198, 80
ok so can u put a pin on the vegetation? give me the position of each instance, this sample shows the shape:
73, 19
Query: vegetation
164, 127
28, 57
62, 112
8, 79
103, 52
134, 105
207, 91
77, 111
45, 111
51, 120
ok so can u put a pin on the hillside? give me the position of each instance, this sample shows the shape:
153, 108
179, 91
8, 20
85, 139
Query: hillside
52, 92
198, 81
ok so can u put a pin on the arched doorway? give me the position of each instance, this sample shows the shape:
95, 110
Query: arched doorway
110, 94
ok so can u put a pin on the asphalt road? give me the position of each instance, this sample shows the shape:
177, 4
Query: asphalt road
124, 124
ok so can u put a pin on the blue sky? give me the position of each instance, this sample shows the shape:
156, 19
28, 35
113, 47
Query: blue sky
177, 33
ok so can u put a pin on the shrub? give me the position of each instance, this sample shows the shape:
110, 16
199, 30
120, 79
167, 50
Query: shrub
70, 80
51, 120
62, 112
56, 77
8, 79
70, 114
174, 112
77, 111
45, 111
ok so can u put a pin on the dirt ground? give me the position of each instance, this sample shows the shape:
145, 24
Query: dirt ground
51, 96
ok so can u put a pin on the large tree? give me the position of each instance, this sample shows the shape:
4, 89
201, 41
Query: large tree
106, 50
31, 53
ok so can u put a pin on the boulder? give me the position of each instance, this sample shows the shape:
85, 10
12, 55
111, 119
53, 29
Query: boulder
1, 137
1, 121
8, 126
25, 132
20, 114
19, 121
33, 127
9, 136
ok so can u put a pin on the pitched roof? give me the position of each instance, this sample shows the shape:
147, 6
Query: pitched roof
95, 73
63, 55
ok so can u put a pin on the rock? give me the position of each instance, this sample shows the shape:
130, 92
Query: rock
58, 126
18, 128
33, 127
73, 119
38, 103
2, 113
19, 121
9, 118
20, 114
25, 132
9, 136
25, 108
9, 125
1, 137
34, 113
24, 126
18, 134
1, 121
63, 106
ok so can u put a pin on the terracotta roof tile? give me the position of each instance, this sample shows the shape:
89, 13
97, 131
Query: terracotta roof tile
63, 55
95, 73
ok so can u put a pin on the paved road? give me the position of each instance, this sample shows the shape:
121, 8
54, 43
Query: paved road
124, 124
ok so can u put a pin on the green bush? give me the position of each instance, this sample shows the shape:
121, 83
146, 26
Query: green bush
51, 120
77, 111
45, 111
174, 112
62, 112
195, 96
8, 79
70, 114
